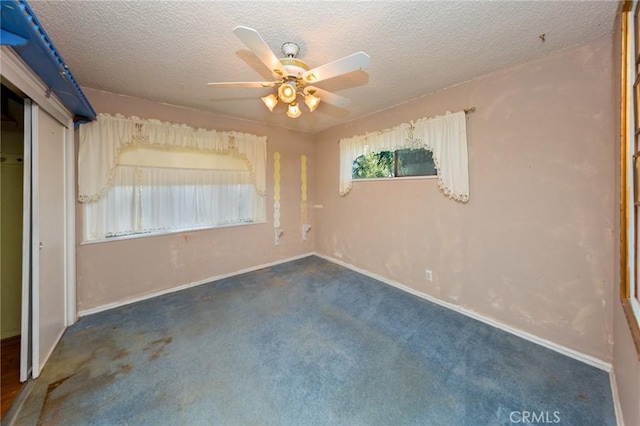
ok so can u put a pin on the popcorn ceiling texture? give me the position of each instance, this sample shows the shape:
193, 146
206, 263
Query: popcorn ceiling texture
168, 51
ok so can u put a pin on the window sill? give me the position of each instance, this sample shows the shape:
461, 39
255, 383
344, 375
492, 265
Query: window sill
161, 233
395, 178
632, 320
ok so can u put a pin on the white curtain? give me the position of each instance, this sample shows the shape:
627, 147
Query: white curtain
102, 140
147, 197
445, 136
144, 199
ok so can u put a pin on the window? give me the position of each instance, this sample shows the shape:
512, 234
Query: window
630, 158
411, 149
157, 191
400, 163
143, 177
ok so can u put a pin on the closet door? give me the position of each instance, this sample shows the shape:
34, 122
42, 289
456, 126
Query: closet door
47, 235
49, 216
26, 319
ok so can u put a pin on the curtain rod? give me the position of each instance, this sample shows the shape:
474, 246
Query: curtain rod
466, 111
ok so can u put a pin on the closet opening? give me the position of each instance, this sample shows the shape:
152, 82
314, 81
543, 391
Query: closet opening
11, 238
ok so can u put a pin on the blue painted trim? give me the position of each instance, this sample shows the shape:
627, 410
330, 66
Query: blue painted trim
41, 55
10, 39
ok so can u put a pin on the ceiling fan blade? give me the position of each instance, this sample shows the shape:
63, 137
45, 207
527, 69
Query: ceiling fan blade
257, 45
243, 84
350, 63
328, 97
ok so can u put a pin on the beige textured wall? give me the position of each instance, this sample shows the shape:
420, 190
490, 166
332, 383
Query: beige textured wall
533, 248
626, 365
11, 236
116, 271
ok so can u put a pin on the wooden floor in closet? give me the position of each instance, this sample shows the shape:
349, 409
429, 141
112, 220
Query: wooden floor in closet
10, 376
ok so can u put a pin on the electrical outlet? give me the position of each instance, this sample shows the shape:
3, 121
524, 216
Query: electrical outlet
428, 275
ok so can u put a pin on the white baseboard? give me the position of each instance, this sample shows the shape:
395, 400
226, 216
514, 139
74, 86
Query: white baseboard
185, 286
616, 399
587, 359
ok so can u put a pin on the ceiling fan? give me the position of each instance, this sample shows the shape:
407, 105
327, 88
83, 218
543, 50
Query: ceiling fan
293, 76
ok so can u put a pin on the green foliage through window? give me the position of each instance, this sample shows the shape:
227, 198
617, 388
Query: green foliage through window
402, 162
373, 165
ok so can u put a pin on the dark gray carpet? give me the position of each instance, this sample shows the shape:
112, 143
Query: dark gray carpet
306, 343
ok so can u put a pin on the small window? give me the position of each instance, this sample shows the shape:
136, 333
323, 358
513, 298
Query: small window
400, 163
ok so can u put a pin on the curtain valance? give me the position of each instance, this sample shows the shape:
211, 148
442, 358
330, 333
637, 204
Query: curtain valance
102, 140
445, 136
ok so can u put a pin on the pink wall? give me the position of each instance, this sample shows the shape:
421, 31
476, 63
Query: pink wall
533, 248
116, 271
626, 366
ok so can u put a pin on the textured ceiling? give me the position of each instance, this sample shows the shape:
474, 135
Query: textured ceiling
168, 51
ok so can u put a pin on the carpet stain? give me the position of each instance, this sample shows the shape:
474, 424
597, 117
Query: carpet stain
277, 282
56, 404
120, 354
157, 347
52, 386
582, 396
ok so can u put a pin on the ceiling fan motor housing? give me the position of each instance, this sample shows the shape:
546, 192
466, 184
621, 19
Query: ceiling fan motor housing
290, 49
294, 67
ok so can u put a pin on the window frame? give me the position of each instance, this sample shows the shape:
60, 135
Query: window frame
629, 173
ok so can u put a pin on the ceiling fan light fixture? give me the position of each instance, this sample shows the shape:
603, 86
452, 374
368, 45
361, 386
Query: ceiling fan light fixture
270, 101
293, 74
312, 102
287, 92
294, 110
